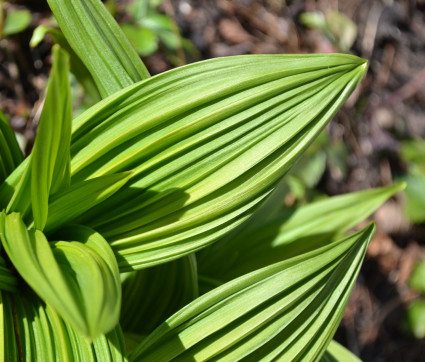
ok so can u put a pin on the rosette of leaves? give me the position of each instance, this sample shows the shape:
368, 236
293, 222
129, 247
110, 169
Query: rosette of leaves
107, 212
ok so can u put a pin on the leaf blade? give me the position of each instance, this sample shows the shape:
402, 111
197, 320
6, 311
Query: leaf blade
50, 162
100, 44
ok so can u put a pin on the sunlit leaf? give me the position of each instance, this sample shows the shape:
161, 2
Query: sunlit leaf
34, 332
207, 143
290, 233
79, 279
286, 311
50, 163
338, 353
80, 197
77, 66
100, 43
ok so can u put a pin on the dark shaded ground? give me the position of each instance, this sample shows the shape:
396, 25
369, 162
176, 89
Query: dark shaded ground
388, 108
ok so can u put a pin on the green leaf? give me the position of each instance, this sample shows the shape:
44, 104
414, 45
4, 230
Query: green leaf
290, 233
338, 353
415, 194
77, 66
152, 295
416, 318
10, 153
50, 162
79, 279
16, 21
100, 43
286, 311
34, 332
207, 143
82, 196
414, 151
417, 278
143, 39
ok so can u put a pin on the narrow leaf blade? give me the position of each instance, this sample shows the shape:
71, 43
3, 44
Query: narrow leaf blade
100, 43
50, 163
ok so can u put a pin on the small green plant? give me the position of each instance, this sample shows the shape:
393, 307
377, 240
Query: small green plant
168, 184
340, 30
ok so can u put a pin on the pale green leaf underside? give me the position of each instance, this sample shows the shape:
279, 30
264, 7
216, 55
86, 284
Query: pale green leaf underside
287, 311
100, 44
79, 279
292, 232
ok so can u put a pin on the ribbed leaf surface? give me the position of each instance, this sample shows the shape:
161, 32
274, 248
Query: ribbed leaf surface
79, 279
287, 311
152, 295
10, 153
100, 44
206, 144
50, 162
33, 331
254, 245
338, 353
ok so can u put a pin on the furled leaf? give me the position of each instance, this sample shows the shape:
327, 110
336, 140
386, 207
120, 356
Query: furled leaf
79, 279
10, 154
34, 332
207, 143
338, 353
286, 311
152, 295
100, 43
77, 66
50, 163
292, 232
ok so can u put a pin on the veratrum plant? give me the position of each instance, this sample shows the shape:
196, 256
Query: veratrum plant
100, 225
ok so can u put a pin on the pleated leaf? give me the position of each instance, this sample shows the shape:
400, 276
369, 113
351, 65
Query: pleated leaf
152, 295
79, 279
10, 153
50, 163
82, 196
287, 311
33, 331
206, 144
292, 232
8, 279
338, 353
100, 44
